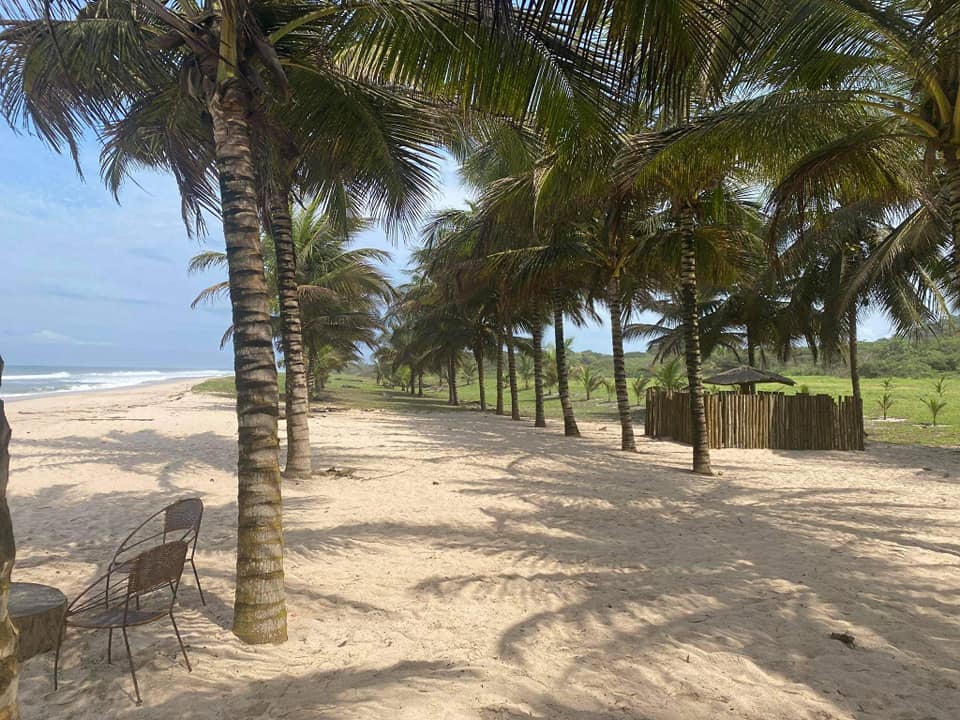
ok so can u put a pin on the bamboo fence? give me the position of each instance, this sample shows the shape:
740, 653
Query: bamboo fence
763, 420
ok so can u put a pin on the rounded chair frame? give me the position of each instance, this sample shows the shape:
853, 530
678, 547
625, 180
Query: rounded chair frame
113, 601
184, 517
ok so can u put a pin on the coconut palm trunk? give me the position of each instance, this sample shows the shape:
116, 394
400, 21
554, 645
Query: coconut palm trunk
952, 190
570, 428
540, 416
478, 358
512, 375
454, 399
420, 384
9, 667
691, 338
260, 614
852, 350
499, 374
297, 392
627, 441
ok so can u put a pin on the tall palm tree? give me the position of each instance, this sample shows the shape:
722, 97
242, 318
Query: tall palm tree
63, 75
9, 680
825, 262
339, 289
895, 62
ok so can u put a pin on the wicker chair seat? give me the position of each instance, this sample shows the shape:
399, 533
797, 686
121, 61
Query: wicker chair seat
104, 618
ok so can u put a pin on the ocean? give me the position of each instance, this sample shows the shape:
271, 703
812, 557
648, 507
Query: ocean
31, 380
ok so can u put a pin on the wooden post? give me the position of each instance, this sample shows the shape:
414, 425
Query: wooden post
9, 667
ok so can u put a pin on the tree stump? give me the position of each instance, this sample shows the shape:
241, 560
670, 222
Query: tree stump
37, 612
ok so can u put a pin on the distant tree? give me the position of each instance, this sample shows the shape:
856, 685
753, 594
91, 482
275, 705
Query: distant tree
525, 369
325, 361
469, 373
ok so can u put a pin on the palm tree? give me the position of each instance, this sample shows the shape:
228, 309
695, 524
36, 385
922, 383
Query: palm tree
897, 64
588, 378
525, 369
325, 361
825, 263
63, 75
8, 551
639, 386
669, 376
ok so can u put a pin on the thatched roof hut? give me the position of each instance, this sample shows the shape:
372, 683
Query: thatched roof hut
747, 378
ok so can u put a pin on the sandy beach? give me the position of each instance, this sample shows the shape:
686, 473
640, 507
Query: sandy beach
455, 565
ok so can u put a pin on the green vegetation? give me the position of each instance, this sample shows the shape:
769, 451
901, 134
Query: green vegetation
217, 386
910, 424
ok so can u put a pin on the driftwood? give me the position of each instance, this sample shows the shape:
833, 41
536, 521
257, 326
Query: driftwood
9, 667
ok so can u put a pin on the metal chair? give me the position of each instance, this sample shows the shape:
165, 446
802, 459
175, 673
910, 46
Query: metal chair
180, 520
122, 600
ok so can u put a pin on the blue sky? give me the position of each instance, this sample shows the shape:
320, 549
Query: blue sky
87, 281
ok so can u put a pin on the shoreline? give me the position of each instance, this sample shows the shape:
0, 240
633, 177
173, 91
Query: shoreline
98, 391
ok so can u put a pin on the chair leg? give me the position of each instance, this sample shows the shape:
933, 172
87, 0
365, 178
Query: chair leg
133, 673
196, 575
180, 640
56, 657
109, 646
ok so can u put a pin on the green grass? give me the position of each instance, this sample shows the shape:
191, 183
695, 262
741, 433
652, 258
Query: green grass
217, 386
913, 427
362, 392
914, 419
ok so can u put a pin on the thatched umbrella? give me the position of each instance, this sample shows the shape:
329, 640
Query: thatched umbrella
747, 378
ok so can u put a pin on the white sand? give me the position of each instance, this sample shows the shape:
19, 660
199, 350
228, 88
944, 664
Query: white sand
473, 567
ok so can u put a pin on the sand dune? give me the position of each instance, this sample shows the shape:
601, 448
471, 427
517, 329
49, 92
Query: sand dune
462, 566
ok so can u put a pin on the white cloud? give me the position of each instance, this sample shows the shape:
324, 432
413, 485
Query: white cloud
49, 337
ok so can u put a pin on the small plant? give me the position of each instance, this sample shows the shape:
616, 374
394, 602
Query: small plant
886, 400
803, 389
935, 403
589, 379
609, 387
639, 386
550, 376
669, 376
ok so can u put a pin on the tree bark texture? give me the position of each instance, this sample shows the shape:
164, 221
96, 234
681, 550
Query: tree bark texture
260, 614
512, 373
691, 338
499, 374
454, 399
852, 344
570, 428
627, 441
297, 393
9, 666
540, 415
478, 357
952, 183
